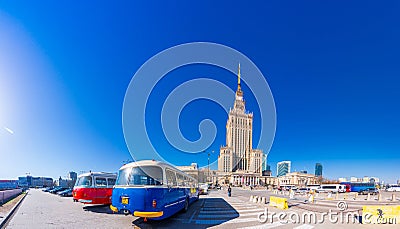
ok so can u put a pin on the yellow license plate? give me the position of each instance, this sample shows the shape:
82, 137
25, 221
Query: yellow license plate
125, 200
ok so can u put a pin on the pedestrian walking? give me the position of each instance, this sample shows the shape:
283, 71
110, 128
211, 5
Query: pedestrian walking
229, 191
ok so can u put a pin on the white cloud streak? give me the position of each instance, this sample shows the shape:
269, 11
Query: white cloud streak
9, 130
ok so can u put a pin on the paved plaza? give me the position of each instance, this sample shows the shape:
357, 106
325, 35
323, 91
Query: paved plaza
215, 210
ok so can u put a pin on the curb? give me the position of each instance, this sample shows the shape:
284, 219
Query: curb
6, 220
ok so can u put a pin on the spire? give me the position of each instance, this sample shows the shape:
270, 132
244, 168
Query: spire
239, 90
239, 76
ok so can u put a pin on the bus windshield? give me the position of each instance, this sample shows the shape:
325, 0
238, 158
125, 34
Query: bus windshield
144, 175
84, 181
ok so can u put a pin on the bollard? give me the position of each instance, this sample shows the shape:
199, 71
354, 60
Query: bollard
393, 197
291, 196
345, 196
379, 197
311, 199
337, 196
368, 196
355, 195
251, 198
259, 200
264, 200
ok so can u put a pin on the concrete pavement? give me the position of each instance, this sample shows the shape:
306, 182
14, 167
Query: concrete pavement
216, 210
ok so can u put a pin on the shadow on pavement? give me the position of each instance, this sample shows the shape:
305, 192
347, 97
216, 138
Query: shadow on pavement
204, 213
104, 209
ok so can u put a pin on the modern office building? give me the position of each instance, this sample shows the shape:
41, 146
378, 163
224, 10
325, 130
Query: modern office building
33, 182
73, 176
283, 168
8, 184
318, 169
238, 154
267, 171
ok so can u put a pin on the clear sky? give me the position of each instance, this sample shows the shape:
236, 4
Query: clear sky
332, 66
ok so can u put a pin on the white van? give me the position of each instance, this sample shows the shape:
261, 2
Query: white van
394, 188
334, 188
313, 186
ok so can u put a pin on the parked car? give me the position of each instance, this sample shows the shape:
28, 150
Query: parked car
65, 193
47, 189
203, 189
303, 190
373, 191
57, 189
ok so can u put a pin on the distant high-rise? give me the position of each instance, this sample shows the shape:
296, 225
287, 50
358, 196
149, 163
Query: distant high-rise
318, 169
73, 176
283, 168
267, 171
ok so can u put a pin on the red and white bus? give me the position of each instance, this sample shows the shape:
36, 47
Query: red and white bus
94, 188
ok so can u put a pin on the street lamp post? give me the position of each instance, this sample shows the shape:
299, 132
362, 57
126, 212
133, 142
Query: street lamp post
208, 174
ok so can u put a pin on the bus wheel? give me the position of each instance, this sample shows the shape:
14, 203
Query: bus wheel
186, 205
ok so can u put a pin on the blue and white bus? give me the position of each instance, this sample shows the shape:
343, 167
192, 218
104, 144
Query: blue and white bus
152, 190
357, 186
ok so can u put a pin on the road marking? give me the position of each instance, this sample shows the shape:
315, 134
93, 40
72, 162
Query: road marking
224, 216
249, 214
218, 211
265, 226
243, 220
304, 226
251, 210
224, 221
239, 211
208, 221
191, 218
244, 206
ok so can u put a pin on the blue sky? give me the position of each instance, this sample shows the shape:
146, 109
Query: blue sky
333, 69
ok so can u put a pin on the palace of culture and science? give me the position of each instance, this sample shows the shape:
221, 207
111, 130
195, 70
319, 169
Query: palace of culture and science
238, 158
238, 163
238, 154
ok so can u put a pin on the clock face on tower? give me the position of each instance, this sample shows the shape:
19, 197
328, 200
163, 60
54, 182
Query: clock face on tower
240, 107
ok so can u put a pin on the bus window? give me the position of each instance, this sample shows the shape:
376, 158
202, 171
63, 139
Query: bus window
123, 176
84, 181
171, 178
101, 182
111, 181
146, 175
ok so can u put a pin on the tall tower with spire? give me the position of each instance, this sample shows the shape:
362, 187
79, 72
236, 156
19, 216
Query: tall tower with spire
237, 154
